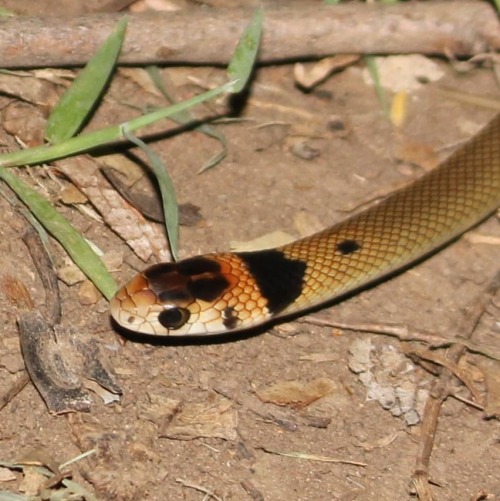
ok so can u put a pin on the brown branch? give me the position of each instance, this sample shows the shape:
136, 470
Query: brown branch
296, 31
441, 390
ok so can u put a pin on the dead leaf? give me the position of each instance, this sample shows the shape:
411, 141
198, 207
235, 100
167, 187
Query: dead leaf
298, 394
158, 409
88, 294
32, 482
6, 475
29, 88
420, 154
491, 372
308, 76
72, 195
24, 121
321, 357
213, 418
141, 77
145, 239
306, 223
399, 108
405, 72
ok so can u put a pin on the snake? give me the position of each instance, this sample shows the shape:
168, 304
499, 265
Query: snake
226, 292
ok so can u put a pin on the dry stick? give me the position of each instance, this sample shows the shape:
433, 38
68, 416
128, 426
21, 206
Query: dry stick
440, 392
295, 31
405, 333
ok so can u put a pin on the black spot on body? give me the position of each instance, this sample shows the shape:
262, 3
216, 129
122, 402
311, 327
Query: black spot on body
348, 247
279, 279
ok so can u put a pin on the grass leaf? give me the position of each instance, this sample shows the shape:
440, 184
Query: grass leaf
91, 140
169, 200
58, 226
185, 117
371, 64
80, 99
243, 60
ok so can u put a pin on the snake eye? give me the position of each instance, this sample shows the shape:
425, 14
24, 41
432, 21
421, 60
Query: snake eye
173, 318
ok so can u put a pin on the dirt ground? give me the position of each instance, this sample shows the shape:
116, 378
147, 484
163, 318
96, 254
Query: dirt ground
193, 423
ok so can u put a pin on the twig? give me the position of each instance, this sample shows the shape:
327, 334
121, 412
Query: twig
199, 488
440, 392
313, 457
405, 333
295, 31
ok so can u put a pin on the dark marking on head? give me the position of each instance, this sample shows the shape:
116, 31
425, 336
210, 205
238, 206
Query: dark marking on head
229, 318
197, 266
159, 274
280, 279
348, 247
186, 281
175, 295
207, 289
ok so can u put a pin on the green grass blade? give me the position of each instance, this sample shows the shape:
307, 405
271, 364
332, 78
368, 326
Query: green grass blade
243, 60
186, 117
59, 227
80, 99
169, 200
371, 64
92, 140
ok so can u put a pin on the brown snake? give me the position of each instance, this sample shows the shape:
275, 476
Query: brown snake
227, 292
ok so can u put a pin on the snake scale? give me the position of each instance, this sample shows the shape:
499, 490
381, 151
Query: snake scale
226, 292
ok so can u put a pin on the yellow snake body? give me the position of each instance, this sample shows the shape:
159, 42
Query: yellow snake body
220, 293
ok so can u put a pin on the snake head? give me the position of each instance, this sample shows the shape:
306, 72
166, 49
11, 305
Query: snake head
202, 295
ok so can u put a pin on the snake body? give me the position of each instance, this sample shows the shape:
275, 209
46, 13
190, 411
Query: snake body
225, 292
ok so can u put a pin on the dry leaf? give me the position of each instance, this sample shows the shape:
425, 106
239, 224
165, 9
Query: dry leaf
399, 108
320, 357
88, 294
213, 418
420, 154
491, 372
141, 77
33, 481
145, 239
72, 195
405, 72
308, 76
6, 475
27, 87
24, 121
296, 393
158, 409
306, 223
